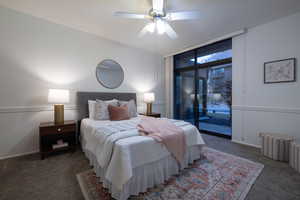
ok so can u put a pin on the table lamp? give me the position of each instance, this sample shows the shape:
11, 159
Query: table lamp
58, 97
149, 98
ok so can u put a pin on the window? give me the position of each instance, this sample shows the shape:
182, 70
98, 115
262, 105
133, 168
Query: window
213, 57
184, 60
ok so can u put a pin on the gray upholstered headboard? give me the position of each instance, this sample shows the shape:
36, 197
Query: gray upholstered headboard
83, 97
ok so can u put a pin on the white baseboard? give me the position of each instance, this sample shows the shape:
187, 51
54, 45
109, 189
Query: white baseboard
247, 144
18, 155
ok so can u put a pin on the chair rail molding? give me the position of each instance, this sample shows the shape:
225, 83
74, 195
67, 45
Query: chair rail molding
41, 108
267, 109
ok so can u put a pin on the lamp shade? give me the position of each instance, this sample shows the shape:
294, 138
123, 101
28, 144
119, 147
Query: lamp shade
58, 96
149, 97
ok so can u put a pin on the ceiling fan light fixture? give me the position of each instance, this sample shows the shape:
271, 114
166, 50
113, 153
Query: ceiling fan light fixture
160, 26
151, 27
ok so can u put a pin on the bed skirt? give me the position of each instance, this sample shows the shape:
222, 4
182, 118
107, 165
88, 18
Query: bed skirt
146, 176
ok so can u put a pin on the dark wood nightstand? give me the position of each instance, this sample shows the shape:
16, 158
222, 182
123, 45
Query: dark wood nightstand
50, 133
156, 115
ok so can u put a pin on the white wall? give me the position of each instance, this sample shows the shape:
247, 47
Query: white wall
259, 107
36, 55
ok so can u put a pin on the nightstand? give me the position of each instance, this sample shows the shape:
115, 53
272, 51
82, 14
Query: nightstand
50, 133
156, 115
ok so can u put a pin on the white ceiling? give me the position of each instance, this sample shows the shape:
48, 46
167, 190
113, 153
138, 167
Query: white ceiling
218, 17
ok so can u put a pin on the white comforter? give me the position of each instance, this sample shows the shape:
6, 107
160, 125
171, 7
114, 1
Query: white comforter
119, 148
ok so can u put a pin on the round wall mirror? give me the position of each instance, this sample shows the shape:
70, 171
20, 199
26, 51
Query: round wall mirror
109, 74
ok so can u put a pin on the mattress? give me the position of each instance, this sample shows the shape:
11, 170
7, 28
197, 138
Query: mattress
120, 157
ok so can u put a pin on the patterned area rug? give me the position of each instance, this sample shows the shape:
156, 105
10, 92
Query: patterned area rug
218, 176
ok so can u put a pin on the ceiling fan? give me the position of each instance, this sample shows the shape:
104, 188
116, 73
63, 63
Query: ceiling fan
159, 18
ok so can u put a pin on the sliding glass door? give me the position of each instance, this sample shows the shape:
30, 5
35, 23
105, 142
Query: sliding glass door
202, 88
215, 99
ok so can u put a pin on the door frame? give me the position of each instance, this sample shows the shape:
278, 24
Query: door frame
195, 68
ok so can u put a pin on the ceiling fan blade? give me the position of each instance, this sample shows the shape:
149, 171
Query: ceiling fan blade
150, 27
143, 32
131, 15
184, 15
170, 31
158, 5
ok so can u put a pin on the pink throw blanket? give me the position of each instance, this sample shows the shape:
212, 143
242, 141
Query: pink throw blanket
165, 132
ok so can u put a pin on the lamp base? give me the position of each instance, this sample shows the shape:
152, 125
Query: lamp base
149, 108
59, 114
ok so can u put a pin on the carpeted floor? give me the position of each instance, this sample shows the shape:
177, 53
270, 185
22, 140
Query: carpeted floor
29, 178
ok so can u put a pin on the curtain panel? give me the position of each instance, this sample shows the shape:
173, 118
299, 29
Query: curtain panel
169, 84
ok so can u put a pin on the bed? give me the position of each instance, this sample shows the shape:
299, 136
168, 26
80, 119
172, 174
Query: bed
126, 162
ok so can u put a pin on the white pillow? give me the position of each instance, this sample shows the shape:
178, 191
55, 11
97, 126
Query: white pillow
131, 107
92, 105
101, 110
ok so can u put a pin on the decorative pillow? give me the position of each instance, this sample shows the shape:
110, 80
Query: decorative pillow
101, 111
117, 113
92, 105
131, 107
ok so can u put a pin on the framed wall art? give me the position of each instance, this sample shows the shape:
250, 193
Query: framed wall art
280, 71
